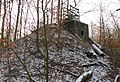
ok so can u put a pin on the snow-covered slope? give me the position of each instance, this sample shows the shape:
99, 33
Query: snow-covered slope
22, 60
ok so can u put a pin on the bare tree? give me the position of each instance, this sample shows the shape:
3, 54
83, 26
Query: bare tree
101, 27
45, 36
116, 34
21, 16
17, 20
0, 7
58, 21
10, 17
3, 22
51, 11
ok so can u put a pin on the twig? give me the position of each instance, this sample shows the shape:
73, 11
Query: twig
67, 71
103, 64
91, 64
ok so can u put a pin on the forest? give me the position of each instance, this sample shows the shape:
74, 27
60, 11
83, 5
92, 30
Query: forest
47, 41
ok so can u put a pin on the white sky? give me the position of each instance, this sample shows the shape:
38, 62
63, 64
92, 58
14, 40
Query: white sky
94, 5
85, 5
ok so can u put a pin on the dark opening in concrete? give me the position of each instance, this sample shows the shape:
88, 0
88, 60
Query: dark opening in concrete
82, 33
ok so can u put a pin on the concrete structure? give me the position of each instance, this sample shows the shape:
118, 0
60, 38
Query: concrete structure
74, 25
81, 29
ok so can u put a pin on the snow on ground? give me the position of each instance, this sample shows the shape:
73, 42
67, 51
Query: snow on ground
65, 64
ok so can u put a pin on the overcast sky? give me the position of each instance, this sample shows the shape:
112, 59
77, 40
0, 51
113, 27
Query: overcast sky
84, 6
87, 5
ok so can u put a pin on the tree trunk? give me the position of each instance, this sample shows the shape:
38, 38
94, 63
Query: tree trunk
17, 21
9, 31
3, 22
21, 20
61, 13
51, 11
46, 43
0, 7
58, 21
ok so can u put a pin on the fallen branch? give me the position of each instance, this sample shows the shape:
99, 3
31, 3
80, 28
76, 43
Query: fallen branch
65, 71
98, 45
91, 64
116, 78
103, 64
85, 76
97, 50
24, 65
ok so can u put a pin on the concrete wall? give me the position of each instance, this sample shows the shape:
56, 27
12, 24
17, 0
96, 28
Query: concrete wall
79, 28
